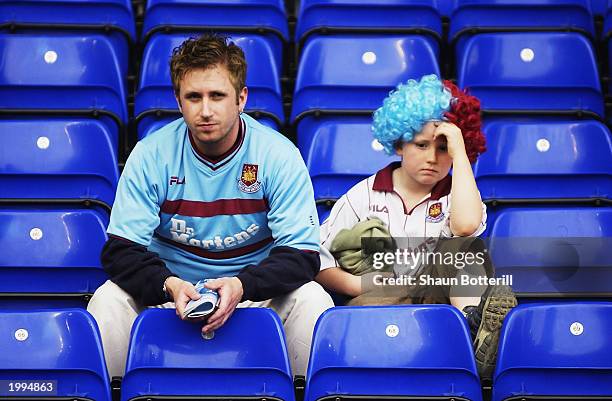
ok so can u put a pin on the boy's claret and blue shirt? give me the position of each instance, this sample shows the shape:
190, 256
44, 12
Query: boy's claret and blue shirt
375, 197
209, 218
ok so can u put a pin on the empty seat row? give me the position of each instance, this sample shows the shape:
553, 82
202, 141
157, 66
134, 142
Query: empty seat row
324, 17
270, 16
546, 350
541, 73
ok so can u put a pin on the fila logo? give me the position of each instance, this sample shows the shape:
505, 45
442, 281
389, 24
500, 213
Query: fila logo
176, 180
379, 209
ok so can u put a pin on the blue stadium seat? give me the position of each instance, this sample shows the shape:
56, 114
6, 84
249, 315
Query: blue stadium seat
155, 98
607, 13
607, 34
51, 250
446, 7
323, 210
414, 351
553, 250
533, 73
598, 7
100, 15
113, 18
355, 73
57, 158
374, 16
474, 16
62, 73
247, 357
555, 351
58, 348
265, 18
539, 158
339, 152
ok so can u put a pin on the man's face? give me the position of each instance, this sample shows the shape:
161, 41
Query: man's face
210, 108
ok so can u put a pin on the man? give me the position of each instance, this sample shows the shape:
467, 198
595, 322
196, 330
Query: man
212, 195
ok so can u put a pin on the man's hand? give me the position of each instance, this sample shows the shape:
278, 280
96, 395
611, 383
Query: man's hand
181, 292
454, 138
230, 293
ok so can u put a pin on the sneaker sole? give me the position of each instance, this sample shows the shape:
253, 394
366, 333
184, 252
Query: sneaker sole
498, 304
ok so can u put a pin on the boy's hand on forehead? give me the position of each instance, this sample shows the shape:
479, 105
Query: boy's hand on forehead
453, 135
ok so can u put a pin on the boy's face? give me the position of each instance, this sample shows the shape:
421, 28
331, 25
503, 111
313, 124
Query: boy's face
424, 159
210, 107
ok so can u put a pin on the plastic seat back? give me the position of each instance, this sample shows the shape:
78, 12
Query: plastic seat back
386, 16
62, 73
555, 350
97, 15
554, 250
264, 18
51, 354
355, 73
112, 18
535, 73
57, 158
339, 152
545, 159
168, 357
473, 16
51, 251
400, 352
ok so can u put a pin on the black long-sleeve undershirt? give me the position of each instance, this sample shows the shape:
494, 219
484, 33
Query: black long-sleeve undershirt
142, 273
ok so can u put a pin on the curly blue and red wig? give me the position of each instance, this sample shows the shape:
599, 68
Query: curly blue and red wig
408, 108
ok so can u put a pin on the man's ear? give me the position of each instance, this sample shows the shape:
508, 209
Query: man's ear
242, 98
178, 102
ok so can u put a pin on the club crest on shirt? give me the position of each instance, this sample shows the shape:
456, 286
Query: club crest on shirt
434, 213
248, 179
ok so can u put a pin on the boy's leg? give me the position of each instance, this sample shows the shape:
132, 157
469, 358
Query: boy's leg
299, 311
489, 316
485, 314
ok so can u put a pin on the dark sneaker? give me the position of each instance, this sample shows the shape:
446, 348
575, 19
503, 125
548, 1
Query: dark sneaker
474, 317
494, 305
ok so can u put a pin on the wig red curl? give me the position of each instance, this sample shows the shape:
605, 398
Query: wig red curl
465, 113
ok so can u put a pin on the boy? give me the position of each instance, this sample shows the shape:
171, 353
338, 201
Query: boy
433, 126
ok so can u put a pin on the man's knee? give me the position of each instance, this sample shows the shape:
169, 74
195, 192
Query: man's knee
110, 301
314, 297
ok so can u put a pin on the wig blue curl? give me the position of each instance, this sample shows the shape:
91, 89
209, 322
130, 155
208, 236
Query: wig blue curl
408, 108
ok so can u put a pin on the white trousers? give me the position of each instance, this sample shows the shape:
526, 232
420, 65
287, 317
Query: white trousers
115, 311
